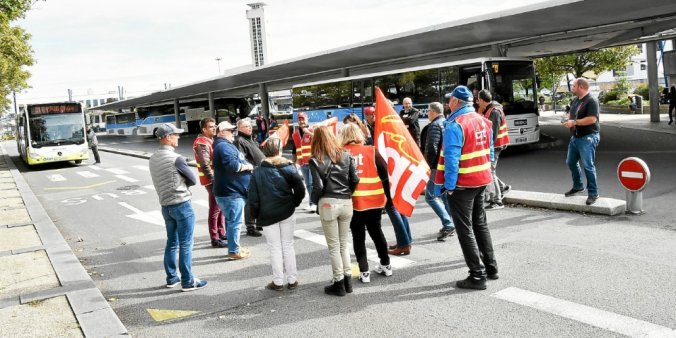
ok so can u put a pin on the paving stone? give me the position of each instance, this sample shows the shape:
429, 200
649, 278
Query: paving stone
9, 193
24, 273
12, 216
11, 202
19, 237
5, 186
48, 318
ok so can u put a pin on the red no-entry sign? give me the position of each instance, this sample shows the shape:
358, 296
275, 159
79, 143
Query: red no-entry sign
633, 174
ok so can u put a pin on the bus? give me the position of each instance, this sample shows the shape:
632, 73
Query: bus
52, 132
96, 119
121, 124
512, 82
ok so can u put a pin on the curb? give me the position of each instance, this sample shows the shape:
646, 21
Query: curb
93, 313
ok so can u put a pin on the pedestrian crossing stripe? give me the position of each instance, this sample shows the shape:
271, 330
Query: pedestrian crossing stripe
117, 171
56, 178
87, 174
126, 178
160, 315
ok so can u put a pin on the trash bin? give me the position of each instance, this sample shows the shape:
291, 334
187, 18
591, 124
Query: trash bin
639, 104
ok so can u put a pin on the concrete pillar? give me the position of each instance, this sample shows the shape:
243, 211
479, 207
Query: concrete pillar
177, 113
653, 94
265, 104
212, 109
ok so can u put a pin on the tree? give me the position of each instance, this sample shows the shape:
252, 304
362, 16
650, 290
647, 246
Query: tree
553, 68
15, 52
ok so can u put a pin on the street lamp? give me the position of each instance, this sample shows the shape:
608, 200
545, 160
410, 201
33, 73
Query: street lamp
218, 60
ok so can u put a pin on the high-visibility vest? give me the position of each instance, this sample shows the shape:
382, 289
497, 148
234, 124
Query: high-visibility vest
503, 135
302, 144
209, 143
369, 193
474, 169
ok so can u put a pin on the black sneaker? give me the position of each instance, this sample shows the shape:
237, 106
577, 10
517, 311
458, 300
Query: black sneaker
224, 238
572, 192
493, 276
591, 199
443, 233
494, 206
471, 283
219, 244
259, 228
253, 232
196, 285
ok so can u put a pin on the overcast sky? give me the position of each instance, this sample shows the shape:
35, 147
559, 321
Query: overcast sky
94, 46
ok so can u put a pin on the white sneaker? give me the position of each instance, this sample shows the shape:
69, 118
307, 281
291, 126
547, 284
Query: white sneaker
310, 208
365, 277
384, 270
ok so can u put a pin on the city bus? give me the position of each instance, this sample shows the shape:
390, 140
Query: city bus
52, 132
512, 82
121, 124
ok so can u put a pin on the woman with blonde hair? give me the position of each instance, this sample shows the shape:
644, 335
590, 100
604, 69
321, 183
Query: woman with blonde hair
276, 189
368, 201
334, 178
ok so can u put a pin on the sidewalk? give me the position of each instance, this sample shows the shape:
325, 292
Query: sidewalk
635, 121
40, 277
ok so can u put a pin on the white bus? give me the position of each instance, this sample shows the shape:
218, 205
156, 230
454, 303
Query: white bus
52, 132
512, 82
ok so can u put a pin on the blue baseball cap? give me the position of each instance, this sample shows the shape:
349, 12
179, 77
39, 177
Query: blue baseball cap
461, 92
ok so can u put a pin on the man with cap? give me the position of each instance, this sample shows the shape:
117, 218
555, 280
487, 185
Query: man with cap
302, 138
466, 166
171, 177
232, 174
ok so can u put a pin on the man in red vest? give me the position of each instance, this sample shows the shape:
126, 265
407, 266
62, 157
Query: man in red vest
467, 171
203, 150
494, 112
302, 138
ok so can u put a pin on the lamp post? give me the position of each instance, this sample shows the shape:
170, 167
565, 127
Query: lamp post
218, 60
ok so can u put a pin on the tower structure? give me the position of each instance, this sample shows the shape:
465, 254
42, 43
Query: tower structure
259, 48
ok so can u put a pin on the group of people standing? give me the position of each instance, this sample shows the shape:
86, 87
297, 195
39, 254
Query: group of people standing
348, 186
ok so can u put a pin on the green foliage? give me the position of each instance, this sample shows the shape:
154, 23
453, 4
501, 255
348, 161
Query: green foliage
622, 84
15, 52
643, 89
610, 96
553, 68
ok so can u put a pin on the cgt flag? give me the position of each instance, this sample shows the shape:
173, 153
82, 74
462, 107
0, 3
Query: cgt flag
408, 172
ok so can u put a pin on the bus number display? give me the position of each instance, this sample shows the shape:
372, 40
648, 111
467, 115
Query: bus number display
55, 109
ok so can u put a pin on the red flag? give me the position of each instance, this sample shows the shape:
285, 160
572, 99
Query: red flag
406, 166
282, 133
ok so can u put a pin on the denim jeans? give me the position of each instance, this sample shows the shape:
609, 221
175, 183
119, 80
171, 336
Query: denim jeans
307, 177
233, 210
335, 215
438, 204
582, 152
179, 220
400, 224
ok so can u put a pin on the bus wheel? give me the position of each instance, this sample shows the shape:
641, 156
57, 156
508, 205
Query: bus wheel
154, 132
78, 161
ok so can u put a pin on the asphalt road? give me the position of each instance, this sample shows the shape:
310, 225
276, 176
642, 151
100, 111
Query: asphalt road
562, 274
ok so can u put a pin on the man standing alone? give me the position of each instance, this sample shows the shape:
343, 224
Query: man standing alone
249, 147
583, 123
232, 174
467, 172
93, 144
410, 117
171, 177
203, 149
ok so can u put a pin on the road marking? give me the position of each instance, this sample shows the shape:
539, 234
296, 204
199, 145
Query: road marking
162, 315
117, 171
152, 217
142, 167
126, 178
585, 314
87, 174
150, 187
631, 174
372, 255
95, 167
56, 178
81, 187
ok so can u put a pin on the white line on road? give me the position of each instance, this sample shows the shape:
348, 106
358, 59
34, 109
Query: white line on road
95, 167
372, 255
631, 174
117, 171
126, 178
585, 314
87, 174
142, 167
133, 209
56, 178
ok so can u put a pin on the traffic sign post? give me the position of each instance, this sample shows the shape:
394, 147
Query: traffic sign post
634, 176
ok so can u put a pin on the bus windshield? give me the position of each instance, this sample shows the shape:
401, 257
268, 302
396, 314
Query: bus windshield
513, 86
55, 129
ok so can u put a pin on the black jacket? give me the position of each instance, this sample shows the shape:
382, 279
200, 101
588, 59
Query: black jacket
342, 177
432, 141
410, 119
249, 147
276, 189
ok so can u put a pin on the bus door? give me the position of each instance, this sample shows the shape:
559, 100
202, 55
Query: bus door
362, 96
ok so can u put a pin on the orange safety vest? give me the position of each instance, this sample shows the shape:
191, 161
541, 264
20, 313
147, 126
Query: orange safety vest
209, 143
503, 135
475, 157
302, 144
369, 193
